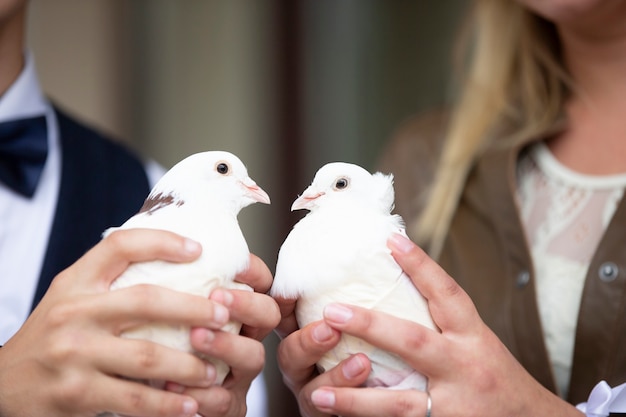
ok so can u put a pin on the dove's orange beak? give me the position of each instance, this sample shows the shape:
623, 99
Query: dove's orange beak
255, 192
307, 199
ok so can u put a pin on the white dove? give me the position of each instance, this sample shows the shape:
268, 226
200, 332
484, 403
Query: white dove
338, 253
199, 198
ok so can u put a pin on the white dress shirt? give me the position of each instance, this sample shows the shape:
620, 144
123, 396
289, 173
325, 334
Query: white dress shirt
25, 223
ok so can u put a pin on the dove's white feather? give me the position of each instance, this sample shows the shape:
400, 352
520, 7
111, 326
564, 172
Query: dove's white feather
338, 253
196, 200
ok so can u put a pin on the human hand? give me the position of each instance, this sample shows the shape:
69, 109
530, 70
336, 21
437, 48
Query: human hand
470, 371
300, 350
67, 359
244, 353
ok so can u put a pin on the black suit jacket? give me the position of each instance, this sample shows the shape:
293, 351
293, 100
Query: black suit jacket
102, 185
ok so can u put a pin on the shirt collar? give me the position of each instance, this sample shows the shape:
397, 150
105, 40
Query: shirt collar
24, 98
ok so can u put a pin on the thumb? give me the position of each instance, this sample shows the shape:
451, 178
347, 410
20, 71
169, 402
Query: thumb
450, 306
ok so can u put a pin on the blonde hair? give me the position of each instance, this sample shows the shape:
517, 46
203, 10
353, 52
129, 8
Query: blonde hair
514, 75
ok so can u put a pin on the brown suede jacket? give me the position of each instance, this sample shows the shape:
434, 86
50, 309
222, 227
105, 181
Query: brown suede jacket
487, 253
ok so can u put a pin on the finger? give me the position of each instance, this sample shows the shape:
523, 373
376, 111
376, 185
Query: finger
151, 303
368, 402
258, 312
288, 323
136, 399
245, 356
258, 275
352, 372
217, 401
301, 350
422, 348
449, 305
107, 260
140, 359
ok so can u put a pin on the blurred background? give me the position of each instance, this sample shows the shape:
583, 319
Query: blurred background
287, 85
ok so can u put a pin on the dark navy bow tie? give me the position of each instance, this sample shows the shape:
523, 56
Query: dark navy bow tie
23, 153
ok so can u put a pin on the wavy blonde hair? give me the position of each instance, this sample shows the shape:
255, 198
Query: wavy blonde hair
513, 73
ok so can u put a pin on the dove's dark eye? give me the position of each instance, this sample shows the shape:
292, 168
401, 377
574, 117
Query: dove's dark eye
341, 183
222, 168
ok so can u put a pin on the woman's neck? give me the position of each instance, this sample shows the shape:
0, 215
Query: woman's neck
595, 141
597, 62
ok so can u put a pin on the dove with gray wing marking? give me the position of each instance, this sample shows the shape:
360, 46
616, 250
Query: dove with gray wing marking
338, 253
200, 198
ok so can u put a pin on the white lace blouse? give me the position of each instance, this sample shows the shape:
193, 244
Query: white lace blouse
564, 214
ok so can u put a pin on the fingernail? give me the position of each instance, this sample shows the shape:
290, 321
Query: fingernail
220, 314
353, 367
337, 313
191, 246
322, 333
189, 408
223, 297
323, 398
400, 243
